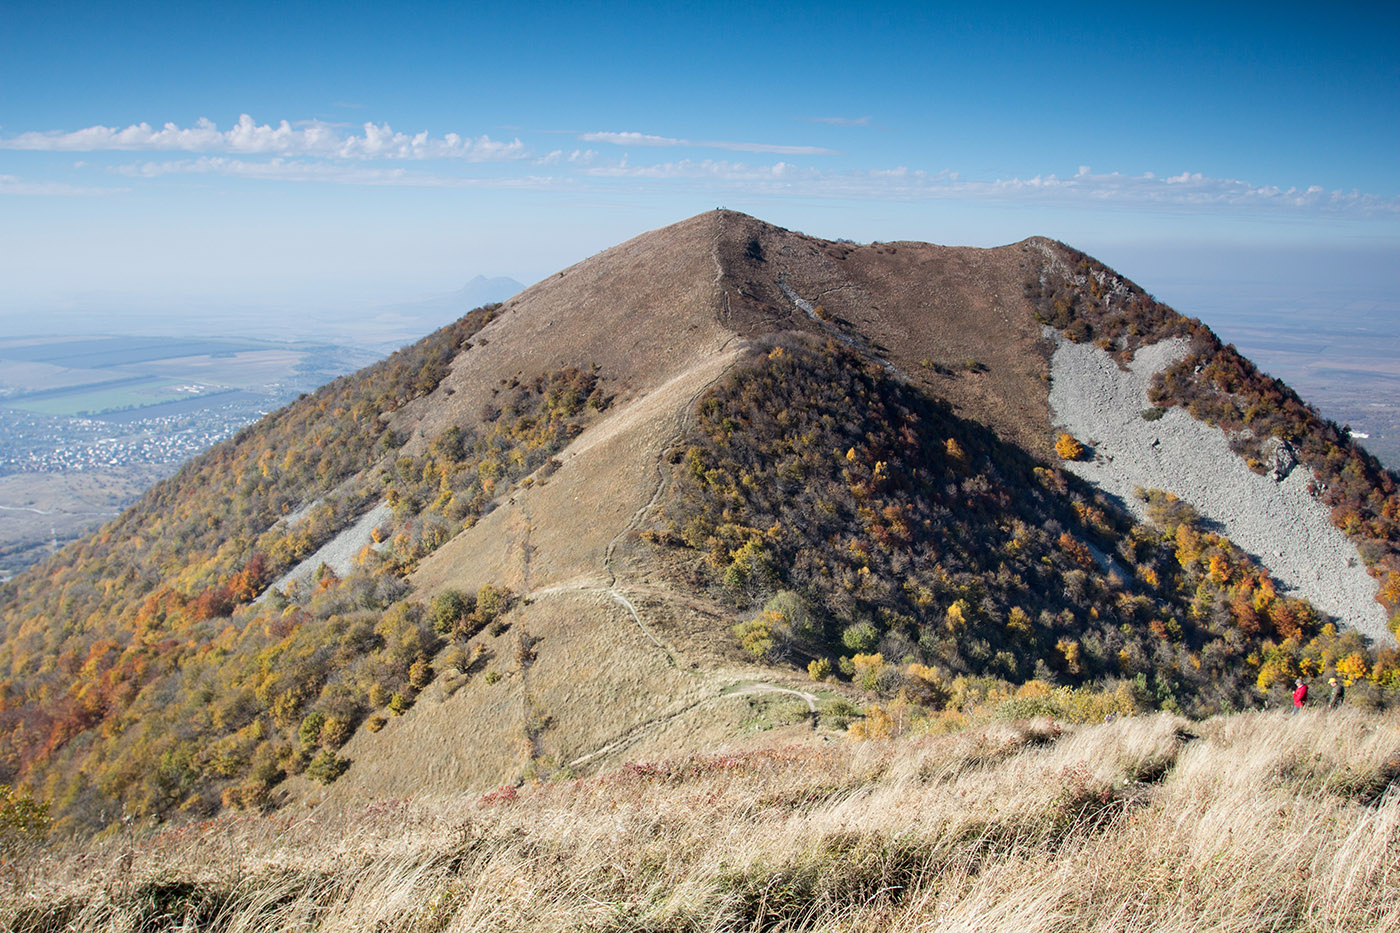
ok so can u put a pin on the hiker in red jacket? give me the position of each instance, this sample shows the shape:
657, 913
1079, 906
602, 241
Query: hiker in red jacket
1300, 694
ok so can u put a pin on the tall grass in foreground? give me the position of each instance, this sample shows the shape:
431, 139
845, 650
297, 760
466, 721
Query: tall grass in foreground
1256, 822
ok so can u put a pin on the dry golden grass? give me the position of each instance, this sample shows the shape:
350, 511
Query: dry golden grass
1253, 822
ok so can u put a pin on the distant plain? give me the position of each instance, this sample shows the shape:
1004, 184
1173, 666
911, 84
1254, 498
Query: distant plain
91, 418
89, 423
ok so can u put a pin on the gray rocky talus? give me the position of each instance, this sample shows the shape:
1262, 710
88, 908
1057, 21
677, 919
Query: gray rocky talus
1273, 517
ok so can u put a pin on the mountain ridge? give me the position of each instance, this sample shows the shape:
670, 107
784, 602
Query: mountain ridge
593, 535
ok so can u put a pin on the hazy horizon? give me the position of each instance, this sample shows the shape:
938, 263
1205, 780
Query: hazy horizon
188, 167
149, 152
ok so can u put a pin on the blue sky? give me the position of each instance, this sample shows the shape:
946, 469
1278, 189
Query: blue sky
173, 154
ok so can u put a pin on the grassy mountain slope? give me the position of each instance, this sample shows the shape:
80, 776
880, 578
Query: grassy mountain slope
622, 507
1256, 821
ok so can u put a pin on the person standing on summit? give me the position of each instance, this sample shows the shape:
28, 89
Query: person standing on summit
1300, 695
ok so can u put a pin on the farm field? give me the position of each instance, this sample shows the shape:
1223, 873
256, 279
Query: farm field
107, 352
93, 376
243, 368
94, 400
39, 511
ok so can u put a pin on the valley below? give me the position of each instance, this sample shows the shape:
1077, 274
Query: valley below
88, 424
1347, 363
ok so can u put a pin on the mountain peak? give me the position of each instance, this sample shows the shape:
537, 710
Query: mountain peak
600, 518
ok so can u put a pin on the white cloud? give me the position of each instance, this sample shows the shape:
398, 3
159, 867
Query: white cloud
574, 157
714, 170
325, 140
1188, 191
376, 154
632, 139
645, 139
301, 170
764, 147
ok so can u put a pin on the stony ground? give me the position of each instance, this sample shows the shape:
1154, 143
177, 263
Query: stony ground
338, 553
1279, 523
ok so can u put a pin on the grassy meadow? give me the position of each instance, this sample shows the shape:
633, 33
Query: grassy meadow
1251, 822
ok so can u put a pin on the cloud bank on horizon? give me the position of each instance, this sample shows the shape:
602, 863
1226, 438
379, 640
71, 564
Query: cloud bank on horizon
318, 152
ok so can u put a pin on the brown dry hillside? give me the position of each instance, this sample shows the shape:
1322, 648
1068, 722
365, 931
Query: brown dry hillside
651, 308
623, 657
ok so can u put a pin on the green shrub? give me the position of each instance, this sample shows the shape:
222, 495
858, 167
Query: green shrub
491, 603
24, 821
310, 731
326, 767
449, 608
838, 713
860, 638
793, 618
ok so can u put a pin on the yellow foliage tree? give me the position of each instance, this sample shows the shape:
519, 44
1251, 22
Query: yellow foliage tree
1279, 667
877, 724
868, 668
956, 617
1068, 448
1352, 667
1264, 594
1219, 568
1188, 545
924, 687
756, 635
1069, 650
